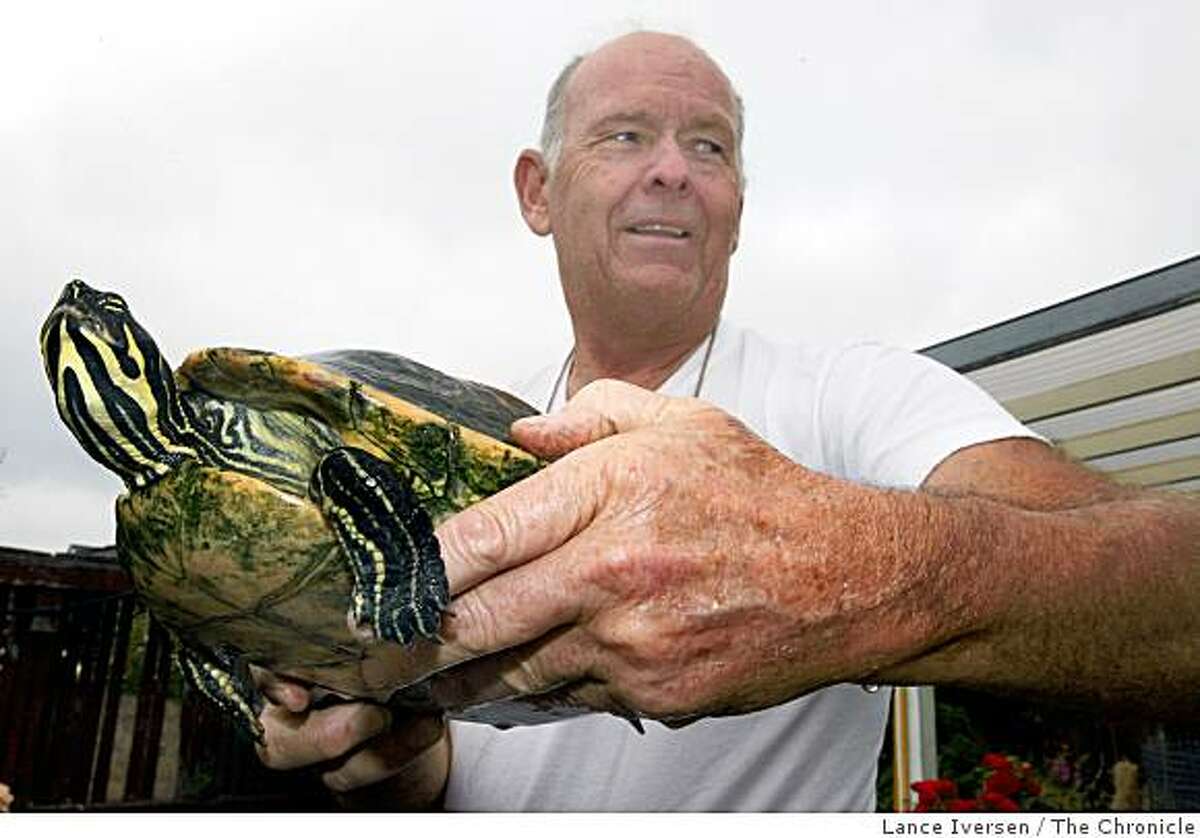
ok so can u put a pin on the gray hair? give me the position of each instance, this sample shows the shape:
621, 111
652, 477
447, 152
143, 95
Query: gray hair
553, 121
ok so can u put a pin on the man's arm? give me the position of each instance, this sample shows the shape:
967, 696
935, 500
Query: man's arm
678, 565
1096, 599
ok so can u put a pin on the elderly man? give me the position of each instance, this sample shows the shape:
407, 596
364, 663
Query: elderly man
868, 516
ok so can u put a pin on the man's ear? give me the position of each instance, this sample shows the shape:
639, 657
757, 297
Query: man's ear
531, 179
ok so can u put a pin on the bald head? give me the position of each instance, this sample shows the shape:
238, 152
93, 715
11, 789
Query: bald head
633, 47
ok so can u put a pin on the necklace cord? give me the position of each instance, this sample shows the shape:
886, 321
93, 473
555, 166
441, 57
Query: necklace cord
566, 365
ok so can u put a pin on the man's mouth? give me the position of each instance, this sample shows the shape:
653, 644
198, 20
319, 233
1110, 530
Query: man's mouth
655, 229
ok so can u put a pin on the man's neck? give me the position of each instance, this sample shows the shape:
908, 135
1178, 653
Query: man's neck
646, 365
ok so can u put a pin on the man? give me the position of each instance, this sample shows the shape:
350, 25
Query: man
736, 577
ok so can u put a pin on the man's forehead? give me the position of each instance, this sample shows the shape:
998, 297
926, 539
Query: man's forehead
643, 62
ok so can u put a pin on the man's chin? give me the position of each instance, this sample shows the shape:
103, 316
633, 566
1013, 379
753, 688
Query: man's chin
676, 275
662, 294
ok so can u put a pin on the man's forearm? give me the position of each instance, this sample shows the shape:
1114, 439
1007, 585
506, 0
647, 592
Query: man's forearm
1096, 603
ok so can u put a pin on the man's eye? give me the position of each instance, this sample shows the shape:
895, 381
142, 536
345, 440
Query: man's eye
625, 136
705, 146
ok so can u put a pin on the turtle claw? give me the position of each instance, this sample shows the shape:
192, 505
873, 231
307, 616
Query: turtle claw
400, 587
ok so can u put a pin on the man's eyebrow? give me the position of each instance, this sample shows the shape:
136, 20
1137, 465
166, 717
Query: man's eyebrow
620, 118
711, 122
715, 123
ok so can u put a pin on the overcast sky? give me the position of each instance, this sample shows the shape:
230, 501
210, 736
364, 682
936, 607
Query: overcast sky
302, 176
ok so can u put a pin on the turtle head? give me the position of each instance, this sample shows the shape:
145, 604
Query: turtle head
112, 386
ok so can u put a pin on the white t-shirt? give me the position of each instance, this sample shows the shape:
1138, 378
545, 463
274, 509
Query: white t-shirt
863, 412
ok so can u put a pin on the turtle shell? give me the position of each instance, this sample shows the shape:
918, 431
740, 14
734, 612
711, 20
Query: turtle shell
231, 560
450, 434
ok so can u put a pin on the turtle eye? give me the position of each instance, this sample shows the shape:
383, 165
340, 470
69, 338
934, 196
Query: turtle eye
113, 303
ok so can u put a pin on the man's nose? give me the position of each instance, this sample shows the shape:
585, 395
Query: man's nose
668, 167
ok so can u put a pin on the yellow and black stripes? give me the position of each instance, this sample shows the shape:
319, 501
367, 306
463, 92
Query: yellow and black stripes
113, 388
400, 585
225, 680
279, 446
118, 396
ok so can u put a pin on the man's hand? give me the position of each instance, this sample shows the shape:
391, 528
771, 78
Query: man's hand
363, 754
672, 564
649, 569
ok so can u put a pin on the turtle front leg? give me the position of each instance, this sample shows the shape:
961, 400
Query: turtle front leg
400, 587
224, 678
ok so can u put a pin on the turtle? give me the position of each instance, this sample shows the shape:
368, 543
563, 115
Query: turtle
279, 510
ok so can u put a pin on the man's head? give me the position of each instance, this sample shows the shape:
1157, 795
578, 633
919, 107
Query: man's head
551, 139
642, 188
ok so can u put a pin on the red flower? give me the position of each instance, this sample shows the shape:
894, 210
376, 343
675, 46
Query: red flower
990, 801
1002, 783
931, 791
926, 793
926, 787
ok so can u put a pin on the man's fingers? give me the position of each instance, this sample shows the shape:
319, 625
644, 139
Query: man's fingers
523, 522
279, 690
598, 410
542, 512
538, 667
534, 517
295, 740
514, 608
555, 672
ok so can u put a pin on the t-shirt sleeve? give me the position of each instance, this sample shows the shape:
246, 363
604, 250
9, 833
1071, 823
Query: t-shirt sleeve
888, 416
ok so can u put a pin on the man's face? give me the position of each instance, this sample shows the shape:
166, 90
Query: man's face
645, 201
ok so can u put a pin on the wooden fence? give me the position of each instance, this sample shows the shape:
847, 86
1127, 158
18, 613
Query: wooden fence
76, 652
